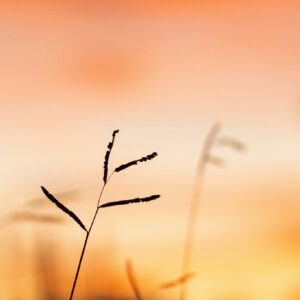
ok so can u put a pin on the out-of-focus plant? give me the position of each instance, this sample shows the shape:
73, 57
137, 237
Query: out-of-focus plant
206, 158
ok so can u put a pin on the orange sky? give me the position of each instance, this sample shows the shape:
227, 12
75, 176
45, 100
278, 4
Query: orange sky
162, 72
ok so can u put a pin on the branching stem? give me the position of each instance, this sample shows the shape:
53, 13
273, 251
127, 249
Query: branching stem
87, 237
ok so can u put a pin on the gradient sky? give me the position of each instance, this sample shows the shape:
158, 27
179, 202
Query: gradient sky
162, 72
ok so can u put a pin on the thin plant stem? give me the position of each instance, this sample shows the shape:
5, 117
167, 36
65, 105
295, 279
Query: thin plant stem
87, 237
193, 211
132, 280
106, 179
79, 265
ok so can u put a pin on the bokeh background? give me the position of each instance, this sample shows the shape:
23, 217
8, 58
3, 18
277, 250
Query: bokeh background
162, 72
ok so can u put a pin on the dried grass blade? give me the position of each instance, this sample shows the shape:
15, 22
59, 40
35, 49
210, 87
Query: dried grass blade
40, 202
132, 280
135, 162
63, 208
130, 201
107, 155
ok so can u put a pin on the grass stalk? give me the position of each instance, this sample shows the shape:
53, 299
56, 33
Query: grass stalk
206, 157
193, 210
106, 179
87, 237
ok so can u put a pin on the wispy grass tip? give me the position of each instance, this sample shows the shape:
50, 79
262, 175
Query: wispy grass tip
107, 154
135, 162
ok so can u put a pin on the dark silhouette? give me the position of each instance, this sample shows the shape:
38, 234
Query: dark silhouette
135, 200
107, 155
135, 162
43, 217
63, 208
40, 202
106, 179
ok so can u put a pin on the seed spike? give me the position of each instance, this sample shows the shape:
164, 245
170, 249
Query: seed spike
130, 201
135, 162
107, 155
63, 208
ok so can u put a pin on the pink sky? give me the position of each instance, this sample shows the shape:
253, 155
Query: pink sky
162, 73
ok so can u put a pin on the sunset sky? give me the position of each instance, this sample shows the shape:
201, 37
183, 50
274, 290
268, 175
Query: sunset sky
162, 72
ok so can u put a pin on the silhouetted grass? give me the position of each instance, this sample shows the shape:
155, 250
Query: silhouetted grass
63, 208
106, 179
130, 201
40, 202
107, 155
36, 216
135, 162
